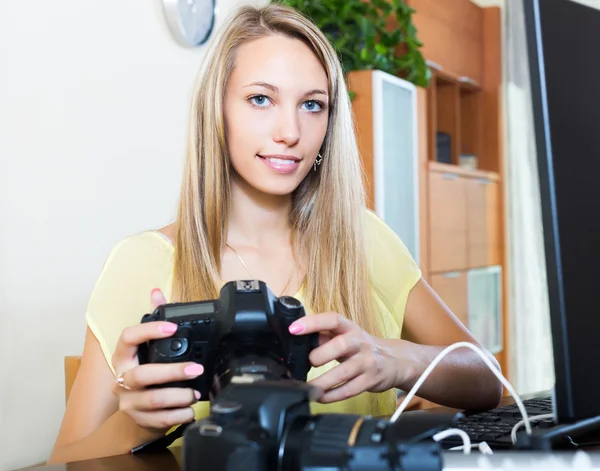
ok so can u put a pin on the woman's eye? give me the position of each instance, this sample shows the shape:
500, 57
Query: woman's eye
259, 100
313, 105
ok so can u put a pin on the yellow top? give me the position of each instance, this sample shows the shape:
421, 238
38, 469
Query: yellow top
144, 261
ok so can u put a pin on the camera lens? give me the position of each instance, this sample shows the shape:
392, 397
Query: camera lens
324, 438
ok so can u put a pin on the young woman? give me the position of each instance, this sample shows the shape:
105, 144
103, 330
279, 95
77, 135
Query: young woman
271, 190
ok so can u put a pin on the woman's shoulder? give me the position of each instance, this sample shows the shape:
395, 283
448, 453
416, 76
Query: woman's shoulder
135, 265
382, 240
151, 243
394, 270
140, 260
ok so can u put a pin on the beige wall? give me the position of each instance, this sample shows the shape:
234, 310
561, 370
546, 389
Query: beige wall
94, 98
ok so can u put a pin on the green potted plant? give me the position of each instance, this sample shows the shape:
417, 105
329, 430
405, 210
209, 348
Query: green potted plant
373, 34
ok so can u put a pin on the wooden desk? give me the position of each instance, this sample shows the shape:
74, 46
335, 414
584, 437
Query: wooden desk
160, 461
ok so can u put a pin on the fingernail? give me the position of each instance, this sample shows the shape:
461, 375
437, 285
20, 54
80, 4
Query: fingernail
168, 328
194, 370
155, 290
296, 328
197, 395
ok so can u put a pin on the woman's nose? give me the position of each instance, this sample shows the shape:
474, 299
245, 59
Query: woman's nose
287, 127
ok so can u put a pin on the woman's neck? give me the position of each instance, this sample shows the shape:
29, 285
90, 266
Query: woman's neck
258, 219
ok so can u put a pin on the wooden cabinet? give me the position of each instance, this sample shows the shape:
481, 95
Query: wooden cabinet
447, 222
452, 33
452, 289
451, 217
474, 297
483, 228
464, 219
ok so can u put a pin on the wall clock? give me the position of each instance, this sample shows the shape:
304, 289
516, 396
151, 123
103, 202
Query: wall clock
190, 21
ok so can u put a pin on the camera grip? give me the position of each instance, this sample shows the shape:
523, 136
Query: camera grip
174, 349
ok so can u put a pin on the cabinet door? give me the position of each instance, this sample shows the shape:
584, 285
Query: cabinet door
483, 216
395, 163
452, 288
484, 297
447, 222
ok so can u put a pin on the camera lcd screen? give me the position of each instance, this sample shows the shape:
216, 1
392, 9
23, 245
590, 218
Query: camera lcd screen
200, 308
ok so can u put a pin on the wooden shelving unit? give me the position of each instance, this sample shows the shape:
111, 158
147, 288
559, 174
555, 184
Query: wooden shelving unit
464, 233
462, 215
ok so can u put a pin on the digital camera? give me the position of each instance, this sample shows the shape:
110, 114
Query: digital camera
267, 426
242, 334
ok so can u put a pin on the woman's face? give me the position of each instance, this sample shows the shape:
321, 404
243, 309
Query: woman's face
275, 113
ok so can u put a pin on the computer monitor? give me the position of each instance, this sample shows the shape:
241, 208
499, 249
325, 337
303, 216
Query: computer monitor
563, 37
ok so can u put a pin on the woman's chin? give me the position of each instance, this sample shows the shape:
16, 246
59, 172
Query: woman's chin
275, 189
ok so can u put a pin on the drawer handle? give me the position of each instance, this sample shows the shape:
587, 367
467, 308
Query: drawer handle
484, 181
453, 274
433, 65
450, 176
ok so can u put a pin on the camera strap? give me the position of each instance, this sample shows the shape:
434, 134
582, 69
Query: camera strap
160, 443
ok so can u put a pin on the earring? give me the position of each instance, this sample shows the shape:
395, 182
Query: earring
317, 161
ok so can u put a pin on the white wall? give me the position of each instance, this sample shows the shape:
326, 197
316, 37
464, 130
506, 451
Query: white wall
93, 111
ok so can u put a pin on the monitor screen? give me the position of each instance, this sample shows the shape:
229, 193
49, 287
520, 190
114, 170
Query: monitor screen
565, 84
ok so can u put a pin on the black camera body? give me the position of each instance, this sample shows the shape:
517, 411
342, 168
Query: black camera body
243, 334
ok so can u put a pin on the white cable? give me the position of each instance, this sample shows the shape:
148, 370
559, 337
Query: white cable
535, 418
489, 364
484, 448
455, 431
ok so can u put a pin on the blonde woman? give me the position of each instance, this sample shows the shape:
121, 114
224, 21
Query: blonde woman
272, 191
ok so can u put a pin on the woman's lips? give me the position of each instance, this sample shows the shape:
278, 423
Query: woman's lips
281, 165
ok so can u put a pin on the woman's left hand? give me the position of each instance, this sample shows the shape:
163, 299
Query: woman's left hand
365, 363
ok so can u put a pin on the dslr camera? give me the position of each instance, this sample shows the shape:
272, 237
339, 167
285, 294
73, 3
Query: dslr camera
242, 334
255, 377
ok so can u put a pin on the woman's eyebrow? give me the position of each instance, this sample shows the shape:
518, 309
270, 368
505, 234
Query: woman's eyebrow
274, 89
316, 91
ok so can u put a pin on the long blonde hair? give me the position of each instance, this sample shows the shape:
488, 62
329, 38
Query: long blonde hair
328, 208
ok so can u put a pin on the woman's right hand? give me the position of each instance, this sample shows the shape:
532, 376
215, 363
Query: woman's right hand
156, 409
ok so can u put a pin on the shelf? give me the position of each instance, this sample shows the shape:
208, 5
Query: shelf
465, 172
463, 81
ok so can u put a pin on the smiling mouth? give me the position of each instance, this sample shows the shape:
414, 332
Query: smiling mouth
280, 160
283, 165
277, 161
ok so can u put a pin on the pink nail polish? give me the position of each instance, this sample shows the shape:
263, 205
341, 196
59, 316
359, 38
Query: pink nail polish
194, 370
197, 395
169, 328
296, 328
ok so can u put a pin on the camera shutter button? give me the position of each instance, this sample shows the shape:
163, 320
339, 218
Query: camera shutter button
176, 345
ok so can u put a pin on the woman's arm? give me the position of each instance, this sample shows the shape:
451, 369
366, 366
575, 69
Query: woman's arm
461, 379
92, 425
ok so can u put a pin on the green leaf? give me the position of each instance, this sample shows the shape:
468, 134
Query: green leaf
380, 49
358, 32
